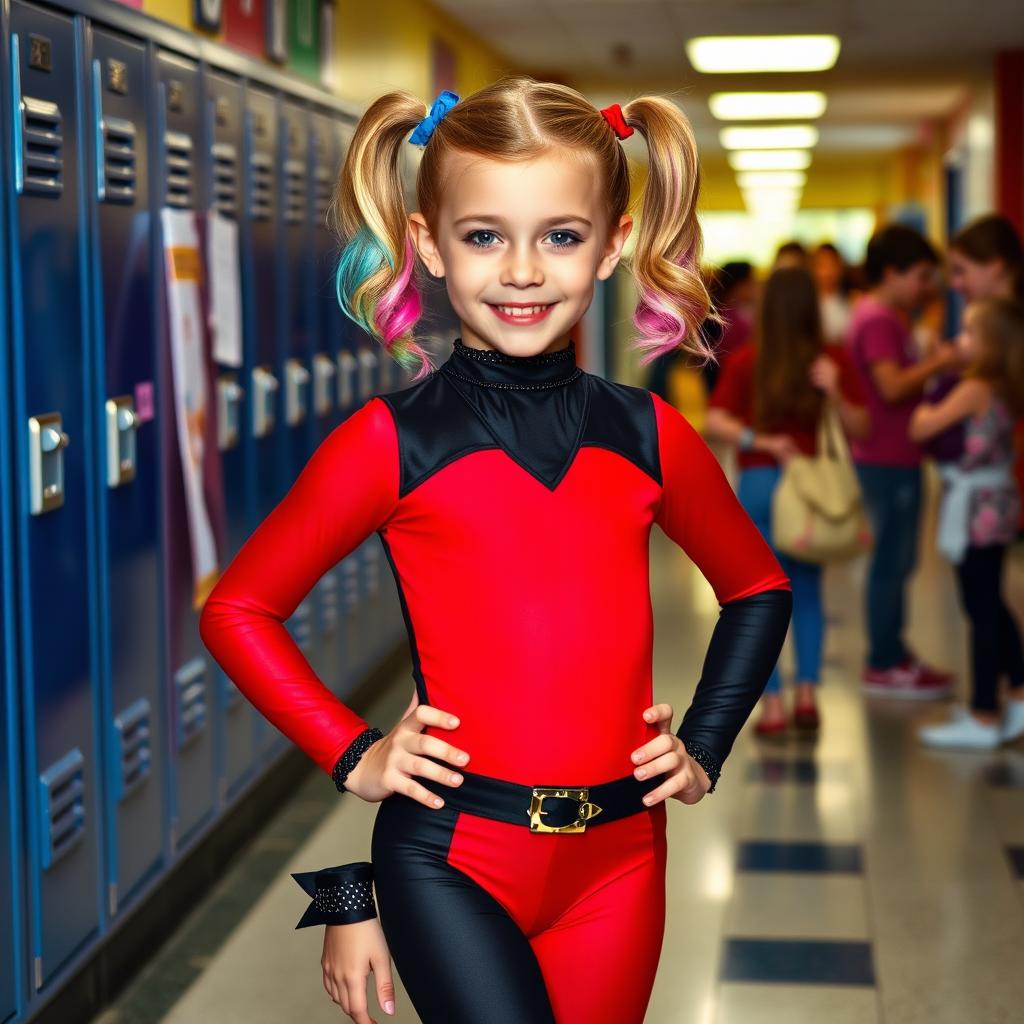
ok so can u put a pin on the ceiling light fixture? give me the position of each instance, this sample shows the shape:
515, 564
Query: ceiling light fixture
736, 54
771, 179
770, 160
787, 136
755, 106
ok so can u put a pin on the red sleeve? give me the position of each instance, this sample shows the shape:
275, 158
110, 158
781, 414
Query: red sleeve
701, 513
733, 391
882, 338
851, 384
346, 491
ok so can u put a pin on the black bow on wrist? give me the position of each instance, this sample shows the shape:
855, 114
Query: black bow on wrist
341, 895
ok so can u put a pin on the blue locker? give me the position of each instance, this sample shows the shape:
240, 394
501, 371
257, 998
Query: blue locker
222, 124
12, 964
335, 602
51, 435
188, 668
296, 326
126, 465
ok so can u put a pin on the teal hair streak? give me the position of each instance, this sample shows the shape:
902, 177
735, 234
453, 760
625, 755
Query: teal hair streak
361, 258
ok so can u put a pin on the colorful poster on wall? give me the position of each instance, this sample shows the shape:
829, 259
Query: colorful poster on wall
304, 37
277, 30
131, 3
207, 14
245, 25
183, 280
328, 68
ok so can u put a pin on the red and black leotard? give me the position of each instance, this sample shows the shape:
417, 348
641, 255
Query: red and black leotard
514, 497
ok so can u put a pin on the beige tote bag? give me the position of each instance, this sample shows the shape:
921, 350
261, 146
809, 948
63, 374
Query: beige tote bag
817, 508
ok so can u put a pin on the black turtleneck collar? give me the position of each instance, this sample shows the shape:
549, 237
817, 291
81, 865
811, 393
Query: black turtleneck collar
534, 407
493, 369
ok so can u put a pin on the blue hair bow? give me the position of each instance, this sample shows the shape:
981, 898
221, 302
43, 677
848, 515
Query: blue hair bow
422, 132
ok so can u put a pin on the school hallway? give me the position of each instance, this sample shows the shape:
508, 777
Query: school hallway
858, 878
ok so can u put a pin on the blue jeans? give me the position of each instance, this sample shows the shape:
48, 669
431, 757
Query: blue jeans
892, 497
756, 487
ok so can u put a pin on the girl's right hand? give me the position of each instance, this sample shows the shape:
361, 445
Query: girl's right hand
351, 952
388, 765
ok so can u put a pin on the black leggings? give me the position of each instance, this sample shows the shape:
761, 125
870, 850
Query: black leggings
995, 639
489, 923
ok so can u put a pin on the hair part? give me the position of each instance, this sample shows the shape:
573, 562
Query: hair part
519, 118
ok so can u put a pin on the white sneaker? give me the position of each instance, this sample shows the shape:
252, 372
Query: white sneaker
1013, 720
961, 732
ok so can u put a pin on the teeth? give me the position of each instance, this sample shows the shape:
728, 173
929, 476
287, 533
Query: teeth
522, 310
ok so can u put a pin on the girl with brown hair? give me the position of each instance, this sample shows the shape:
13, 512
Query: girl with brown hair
768, 402
978, 516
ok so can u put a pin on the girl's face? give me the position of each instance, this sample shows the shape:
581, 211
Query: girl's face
975, 280
520, 246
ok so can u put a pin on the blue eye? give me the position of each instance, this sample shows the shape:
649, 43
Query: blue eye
474, 239
570, 239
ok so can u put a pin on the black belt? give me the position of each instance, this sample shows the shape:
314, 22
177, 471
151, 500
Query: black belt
563, 808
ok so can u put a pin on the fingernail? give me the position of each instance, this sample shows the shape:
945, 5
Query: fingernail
647, 799
641, 772
637, 755
455, 778
437, 801
453, 721
462, 758
389, 1006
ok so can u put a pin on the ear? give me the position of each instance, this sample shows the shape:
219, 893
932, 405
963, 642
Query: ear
426, 244
613, 247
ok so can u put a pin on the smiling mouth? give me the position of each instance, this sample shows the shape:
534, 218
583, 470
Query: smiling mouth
521, 309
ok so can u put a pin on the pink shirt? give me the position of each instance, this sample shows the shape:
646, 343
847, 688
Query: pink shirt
877, 333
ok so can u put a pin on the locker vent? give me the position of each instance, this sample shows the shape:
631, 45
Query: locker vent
322, 196
42, 140
118, 160
178, 148
350, 576
262, 203
225, 178
190, 687
295, 191
132, 734
300, 625
329, 602
62, 795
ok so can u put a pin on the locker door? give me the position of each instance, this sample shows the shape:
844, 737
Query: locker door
296, 310
223, 127
335, 618
261, 290
51, 437
189, 668
12, 890
126, 468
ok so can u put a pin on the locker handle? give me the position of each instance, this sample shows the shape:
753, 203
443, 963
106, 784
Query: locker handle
17, 118
97, 115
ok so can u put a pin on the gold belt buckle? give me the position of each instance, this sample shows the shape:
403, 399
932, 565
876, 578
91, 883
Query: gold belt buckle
586, 810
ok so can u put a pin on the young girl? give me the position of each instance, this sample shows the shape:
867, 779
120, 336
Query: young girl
768, 402
514, 495
979, 514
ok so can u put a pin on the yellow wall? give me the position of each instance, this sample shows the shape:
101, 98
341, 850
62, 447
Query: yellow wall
383, 45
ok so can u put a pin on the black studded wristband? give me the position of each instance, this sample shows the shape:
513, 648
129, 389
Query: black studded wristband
711, 764
350, 758
340, 895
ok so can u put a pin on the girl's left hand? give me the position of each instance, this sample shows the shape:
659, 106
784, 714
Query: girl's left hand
825, 375
684, 778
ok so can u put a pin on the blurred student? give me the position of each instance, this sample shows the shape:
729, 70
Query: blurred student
829, 269
733, 290
899, 267
979, 514
792, 254
768, 402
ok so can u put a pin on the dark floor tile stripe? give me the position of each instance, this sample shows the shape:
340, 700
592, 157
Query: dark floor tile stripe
838, 858
798, 962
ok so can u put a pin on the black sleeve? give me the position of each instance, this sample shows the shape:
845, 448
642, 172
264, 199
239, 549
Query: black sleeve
744, 648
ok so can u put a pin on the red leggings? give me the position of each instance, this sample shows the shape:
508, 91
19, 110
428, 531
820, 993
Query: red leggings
487, 921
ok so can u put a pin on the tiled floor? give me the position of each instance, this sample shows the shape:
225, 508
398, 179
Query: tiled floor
858, 879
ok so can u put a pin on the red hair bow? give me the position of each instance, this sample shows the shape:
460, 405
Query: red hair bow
613, 115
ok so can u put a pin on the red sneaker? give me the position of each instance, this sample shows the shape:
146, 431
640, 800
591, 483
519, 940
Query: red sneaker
769, 728
909, 680
805, 717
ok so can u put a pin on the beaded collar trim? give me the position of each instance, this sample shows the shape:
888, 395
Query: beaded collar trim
492, 355
490, 368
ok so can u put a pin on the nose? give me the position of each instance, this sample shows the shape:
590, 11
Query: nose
521, 267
